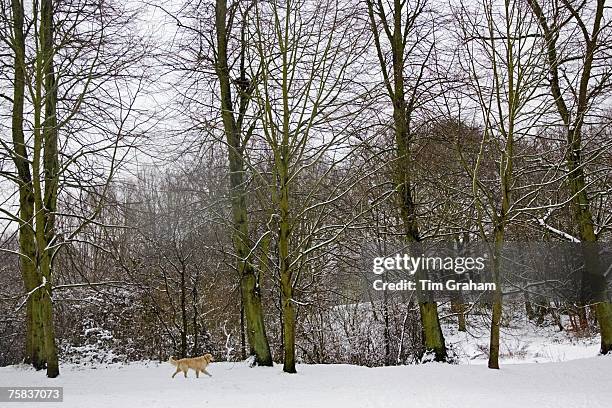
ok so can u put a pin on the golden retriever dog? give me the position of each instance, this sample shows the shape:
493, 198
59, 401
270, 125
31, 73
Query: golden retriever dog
198, 364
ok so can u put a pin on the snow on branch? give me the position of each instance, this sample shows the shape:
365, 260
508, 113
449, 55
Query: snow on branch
27, 295
563, 234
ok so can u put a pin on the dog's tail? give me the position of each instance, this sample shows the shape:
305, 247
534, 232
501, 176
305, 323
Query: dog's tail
172, 361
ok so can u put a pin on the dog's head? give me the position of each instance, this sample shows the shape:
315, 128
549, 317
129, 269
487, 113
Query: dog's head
208, 358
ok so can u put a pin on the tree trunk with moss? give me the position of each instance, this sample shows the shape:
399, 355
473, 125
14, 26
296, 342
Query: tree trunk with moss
46, 198
34, 349
249, 278
402, 110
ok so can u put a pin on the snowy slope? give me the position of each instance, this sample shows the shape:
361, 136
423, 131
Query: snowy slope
571, 384
521, 342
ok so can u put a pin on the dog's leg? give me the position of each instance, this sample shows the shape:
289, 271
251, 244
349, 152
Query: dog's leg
207, 373
176, 372
185, 372
197, 373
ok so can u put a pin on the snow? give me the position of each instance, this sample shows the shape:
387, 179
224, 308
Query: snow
540, 367
521, 341
575, 383
569, 237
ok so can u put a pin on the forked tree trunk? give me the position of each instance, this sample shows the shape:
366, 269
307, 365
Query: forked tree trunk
34, 350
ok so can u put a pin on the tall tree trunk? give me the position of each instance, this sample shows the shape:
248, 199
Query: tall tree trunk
505, 174
499, 239
496, 315
282, 163
496, 312
34, 352
506, 165
51, 174
286, 277
184, 325
249, 279
195, 351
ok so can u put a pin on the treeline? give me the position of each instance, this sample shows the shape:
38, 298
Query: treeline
294, 132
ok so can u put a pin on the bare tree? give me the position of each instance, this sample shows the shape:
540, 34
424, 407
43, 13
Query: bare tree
504, 64
303, 62
577, 35
404, 40
60, 67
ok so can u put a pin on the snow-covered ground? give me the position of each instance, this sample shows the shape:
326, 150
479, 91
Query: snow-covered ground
541, 367
522, 341
571, 384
